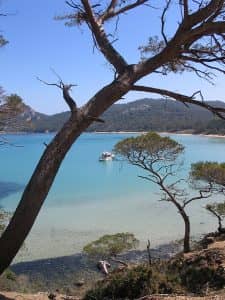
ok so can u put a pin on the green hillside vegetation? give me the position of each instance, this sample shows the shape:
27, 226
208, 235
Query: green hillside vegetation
157, 115
141, 115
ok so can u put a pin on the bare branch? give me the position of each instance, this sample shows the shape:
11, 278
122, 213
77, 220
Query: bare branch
163, 20
65, 90
148, 178
111, 12
4, 141
201, 196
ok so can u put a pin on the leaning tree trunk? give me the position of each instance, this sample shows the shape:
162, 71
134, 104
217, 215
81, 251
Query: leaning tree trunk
187, 226
187, 230
35, 192
40, 183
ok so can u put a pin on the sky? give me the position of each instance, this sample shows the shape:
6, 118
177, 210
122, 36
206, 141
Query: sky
38, 43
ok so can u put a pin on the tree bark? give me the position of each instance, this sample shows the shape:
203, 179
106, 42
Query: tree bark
187, 226
36, 191
187, 230
40, 183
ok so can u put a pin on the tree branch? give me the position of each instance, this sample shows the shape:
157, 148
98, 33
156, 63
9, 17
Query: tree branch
104, 44
163, 20
65, 90
201, 196
219, 111
111, 12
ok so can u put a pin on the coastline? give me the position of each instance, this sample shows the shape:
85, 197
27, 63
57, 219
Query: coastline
161, 132
193, 134
182, 132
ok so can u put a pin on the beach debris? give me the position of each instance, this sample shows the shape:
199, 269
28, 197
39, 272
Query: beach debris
51, 296
103, 266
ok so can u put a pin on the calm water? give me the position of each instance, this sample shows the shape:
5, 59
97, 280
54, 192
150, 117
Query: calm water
90, 198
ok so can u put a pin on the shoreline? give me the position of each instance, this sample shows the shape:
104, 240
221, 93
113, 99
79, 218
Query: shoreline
79, 266
122, 132
161, 132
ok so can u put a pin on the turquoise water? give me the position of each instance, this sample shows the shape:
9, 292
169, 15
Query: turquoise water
90, 198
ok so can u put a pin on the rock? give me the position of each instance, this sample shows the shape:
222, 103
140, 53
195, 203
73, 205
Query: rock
80, 283
51, 296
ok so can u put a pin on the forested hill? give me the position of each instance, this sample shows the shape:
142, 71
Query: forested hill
140, 115
157, 115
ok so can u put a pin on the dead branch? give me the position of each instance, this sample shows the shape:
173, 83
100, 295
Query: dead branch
65, 90
163, 20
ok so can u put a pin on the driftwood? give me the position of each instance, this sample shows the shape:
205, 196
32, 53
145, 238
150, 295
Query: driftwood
103, 266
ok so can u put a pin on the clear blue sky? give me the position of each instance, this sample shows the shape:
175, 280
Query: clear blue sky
38, 43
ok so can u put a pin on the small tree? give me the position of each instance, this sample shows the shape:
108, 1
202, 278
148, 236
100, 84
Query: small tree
10, 108
110, 245
160, 158
217, 210
211, 175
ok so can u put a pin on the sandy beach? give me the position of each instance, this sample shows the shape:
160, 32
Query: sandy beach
160, 132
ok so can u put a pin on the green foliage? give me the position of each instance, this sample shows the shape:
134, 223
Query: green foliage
111, 245
218, 208
208, 172
10, 275
14, 102
4, 218
136, 282
10, 106
158, 115
215, 126
201, 270
149, 146
141, 115
195, 279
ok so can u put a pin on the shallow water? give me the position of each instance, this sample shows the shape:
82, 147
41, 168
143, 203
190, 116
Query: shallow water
90, 198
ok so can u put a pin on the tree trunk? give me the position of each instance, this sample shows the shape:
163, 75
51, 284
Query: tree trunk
36, 191
221, 229
40, 183
187, 229
219, 223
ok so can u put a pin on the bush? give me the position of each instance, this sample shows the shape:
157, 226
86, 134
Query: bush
136, 282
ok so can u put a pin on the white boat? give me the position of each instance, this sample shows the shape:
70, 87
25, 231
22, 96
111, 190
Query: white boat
106, 156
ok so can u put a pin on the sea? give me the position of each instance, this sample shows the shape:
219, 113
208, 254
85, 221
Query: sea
90, 198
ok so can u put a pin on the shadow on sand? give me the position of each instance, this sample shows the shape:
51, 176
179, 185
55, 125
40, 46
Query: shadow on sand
8, 188
69, 269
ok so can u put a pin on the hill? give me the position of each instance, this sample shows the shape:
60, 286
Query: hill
140, 115
156, 115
